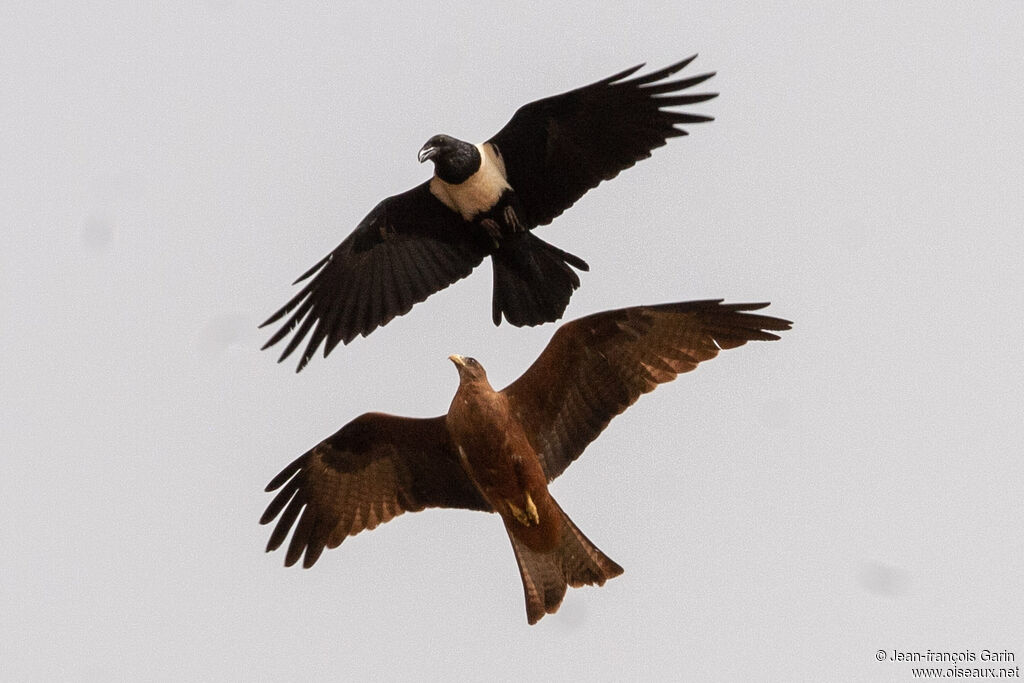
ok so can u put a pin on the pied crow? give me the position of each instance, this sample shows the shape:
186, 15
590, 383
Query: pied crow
484, 200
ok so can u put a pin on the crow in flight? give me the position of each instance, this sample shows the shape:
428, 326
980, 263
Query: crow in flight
484, 200
496, 451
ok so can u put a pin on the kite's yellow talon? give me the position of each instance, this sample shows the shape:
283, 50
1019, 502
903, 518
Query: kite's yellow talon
527, 517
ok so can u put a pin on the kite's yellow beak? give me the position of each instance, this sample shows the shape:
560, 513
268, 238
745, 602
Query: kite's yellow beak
460, 361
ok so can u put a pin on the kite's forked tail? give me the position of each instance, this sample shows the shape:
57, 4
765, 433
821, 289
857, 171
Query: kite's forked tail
575, 562
533, 280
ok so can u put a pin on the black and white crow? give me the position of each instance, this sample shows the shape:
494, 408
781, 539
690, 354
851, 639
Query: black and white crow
484, 200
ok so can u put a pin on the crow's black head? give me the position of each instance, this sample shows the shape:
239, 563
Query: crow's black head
454, 160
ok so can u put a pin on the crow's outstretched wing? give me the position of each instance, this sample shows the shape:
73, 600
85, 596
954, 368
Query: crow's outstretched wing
557, 148
409, 247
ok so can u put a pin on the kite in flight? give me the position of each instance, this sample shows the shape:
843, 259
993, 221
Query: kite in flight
496, 451
484, 200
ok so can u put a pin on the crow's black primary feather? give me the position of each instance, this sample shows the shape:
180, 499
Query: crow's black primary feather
341, 295
557, 148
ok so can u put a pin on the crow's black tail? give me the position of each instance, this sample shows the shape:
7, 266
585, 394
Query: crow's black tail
533, 280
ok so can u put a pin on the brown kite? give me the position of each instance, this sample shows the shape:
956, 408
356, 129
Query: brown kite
497, 451
484, 200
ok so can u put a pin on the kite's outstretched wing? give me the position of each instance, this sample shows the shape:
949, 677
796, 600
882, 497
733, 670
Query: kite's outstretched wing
597, 366
372, 470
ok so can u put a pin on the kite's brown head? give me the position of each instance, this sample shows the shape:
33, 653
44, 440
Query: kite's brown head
469, 369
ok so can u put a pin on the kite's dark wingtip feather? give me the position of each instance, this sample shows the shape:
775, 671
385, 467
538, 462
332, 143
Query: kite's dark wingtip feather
311, 556
685, 306
763, 321
718, 306
270, 514
755, 306
286, 474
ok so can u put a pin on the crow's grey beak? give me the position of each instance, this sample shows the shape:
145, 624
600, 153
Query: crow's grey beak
427, 152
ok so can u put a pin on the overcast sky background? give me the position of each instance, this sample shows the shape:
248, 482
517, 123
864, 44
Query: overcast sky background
782, 513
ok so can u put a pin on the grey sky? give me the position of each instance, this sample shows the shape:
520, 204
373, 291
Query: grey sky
782, 513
